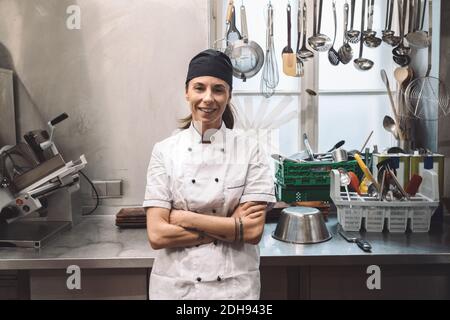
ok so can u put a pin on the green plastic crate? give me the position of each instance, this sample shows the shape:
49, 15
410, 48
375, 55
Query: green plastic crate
311, 173
304, 193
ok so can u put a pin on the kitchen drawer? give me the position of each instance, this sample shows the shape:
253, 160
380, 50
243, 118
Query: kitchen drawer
397, 282
95, 284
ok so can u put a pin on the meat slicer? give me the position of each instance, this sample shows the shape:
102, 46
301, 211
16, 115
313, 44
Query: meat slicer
34, 178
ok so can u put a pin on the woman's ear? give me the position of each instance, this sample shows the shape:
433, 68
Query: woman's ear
186, 95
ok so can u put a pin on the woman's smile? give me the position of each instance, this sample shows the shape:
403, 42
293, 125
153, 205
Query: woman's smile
207, 110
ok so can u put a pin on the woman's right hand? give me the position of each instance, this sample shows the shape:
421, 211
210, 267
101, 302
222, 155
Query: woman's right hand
248, 208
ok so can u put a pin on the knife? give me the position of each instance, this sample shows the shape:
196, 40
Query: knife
363, 244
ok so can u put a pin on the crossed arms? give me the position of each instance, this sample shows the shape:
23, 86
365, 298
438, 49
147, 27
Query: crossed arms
178, 228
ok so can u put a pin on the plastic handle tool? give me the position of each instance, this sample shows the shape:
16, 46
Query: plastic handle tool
366, 171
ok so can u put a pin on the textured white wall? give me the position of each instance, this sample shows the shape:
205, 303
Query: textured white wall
120, 77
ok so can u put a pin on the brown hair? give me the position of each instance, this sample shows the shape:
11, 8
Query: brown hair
227, 117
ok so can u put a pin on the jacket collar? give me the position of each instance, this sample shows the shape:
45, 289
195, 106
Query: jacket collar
212, 136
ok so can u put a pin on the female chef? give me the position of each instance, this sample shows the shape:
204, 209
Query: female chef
206, 196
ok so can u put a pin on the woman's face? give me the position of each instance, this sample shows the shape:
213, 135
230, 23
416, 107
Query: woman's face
207, 97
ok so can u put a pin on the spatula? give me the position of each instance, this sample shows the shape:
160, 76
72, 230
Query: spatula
233, 33
288, 55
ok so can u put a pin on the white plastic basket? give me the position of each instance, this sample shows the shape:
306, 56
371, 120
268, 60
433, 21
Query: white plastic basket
415, 212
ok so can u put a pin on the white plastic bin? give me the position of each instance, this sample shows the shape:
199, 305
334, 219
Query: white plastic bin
415, 213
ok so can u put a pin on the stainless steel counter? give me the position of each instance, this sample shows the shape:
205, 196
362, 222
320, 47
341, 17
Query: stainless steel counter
94, 243
97, 243
387, 248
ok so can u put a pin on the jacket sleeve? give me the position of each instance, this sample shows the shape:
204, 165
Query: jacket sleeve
157, 190
259, 184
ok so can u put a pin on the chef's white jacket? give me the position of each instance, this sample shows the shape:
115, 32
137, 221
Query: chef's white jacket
212, 179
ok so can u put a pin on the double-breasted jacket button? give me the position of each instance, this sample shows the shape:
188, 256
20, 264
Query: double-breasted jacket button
193, 180
189, 149
199, 279
219, 278
216, 179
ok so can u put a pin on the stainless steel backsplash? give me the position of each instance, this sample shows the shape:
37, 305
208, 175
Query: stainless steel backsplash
120, 77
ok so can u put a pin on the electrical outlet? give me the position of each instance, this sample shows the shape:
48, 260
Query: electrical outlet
107, 188
100, 187
114, 188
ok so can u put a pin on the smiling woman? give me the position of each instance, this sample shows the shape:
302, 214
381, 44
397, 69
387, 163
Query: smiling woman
207, 192
209, 94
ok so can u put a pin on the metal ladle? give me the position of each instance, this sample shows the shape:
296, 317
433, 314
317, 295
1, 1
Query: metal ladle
304, 52
389, 36
402, 61
361, 63
315, 41
369, 32
346, 51
319, 42
352, 35
387, 32
333, 56
370, 39
401, 49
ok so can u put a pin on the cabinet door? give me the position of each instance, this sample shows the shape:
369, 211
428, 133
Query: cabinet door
395, 282
279, 283
94, 284
9, 288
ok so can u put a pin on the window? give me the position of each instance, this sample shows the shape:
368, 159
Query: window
350, 103
276, 119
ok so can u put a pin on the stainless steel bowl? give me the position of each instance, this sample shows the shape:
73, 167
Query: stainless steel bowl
301, 225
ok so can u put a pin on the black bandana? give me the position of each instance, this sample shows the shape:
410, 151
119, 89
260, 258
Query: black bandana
211, 63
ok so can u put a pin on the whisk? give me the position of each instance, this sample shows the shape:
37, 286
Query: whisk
427, 97
270, 76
